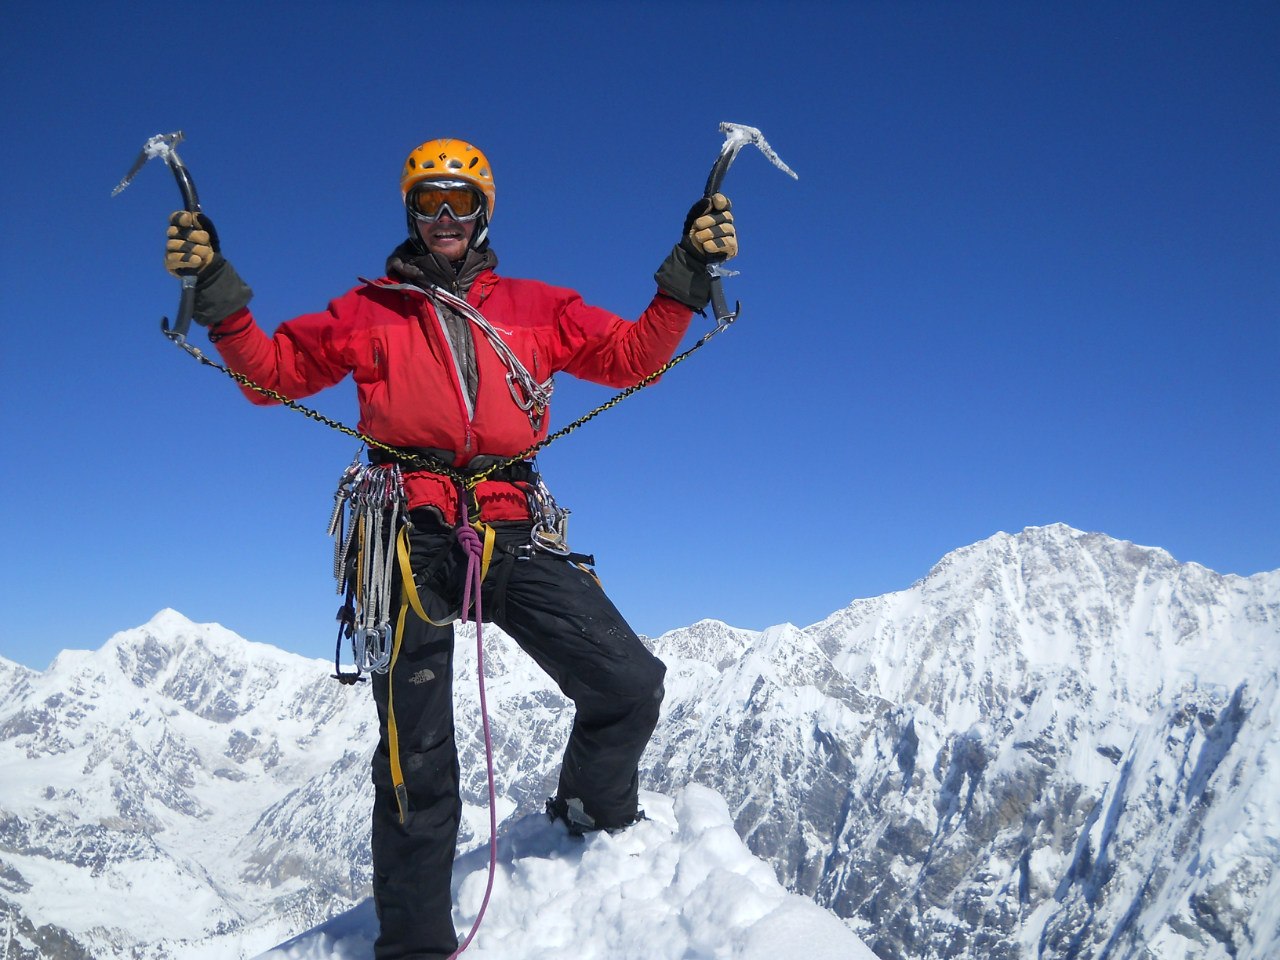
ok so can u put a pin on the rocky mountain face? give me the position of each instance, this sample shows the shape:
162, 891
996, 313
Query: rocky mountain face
1054, 745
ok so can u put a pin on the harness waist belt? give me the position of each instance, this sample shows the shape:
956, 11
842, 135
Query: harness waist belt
410, 460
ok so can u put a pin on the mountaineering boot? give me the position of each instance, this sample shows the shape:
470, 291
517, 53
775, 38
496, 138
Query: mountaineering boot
579, 822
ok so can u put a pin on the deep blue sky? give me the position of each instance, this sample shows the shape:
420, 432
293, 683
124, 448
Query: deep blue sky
1030, 273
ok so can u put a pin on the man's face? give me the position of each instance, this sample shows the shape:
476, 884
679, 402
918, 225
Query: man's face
446, 236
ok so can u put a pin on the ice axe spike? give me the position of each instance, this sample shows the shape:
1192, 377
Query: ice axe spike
736, 136
163, 145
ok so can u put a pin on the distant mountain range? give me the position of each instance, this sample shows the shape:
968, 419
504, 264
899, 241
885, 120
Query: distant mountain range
1055, 745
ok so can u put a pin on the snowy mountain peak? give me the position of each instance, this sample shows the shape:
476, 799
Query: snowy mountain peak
12, 673
204, 668
1052, 549
966, 735
159, 645
1129, 621
711, 640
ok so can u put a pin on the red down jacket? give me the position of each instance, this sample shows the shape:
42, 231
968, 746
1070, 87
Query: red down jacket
387, 335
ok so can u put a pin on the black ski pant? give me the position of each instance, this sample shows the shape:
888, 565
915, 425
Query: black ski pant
558, 614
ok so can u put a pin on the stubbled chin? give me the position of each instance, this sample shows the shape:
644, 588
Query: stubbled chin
451, 249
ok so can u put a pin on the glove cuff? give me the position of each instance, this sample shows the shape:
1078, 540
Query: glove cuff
219, 293
684, 277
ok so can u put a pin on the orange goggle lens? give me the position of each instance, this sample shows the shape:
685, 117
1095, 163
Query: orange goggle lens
429, 203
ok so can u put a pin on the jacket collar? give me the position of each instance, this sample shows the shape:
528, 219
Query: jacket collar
429, 269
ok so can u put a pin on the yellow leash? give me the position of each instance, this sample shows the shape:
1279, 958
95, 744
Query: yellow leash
412, 600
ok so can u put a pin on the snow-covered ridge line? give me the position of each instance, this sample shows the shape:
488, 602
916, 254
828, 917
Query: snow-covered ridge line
1002, 753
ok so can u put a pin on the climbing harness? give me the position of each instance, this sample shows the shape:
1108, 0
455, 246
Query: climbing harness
549, 519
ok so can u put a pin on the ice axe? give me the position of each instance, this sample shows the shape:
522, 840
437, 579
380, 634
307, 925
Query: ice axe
162, 145
736, 136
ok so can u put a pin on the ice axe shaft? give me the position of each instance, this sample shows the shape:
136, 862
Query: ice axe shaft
737, 136
163, 145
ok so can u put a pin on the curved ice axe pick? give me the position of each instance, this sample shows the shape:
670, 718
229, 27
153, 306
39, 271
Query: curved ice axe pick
736, 136
162, 145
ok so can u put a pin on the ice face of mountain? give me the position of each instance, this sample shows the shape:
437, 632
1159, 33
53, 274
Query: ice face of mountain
1056, 744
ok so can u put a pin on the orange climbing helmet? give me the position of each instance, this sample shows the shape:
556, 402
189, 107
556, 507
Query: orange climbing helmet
449, 160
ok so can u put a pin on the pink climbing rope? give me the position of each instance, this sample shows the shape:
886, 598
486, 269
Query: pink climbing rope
470, 542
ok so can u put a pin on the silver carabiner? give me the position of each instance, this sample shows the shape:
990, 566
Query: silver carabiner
372, 648
549, 539
523, 404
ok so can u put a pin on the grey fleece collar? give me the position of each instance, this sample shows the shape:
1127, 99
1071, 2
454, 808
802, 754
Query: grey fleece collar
429, 269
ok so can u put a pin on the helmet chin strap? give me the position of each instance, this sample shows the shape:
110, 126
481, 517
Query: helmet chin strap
415, 238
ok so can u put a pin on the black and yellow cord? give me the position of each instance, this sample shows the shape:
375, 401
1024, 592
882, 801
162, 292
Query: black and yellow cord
419, 462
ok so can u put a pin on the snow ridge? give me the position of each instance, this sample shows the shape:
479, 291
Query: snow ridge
680, 884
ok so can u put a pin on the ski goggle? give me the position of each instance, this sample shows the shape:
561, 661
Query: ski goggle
430, 200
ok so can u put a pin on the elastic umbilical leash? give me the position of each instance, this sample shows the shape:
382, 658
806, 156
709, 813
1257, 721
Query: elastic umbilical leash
418, 461
163, 147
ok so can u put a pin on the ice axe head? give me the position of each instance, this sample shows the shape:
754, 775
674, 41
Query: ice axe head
737, 136
163, 145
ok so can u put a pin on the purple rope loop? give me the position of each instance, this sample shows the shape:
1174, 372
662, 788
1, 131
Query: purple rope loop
470, 542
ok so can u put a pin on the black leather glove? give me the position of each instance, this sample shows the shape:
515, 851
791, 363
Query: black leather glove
192, 247
708, 237
193, 244
709, 234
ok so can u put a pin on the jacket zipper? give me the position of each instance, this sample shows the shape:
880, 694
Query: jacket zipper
468, 408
